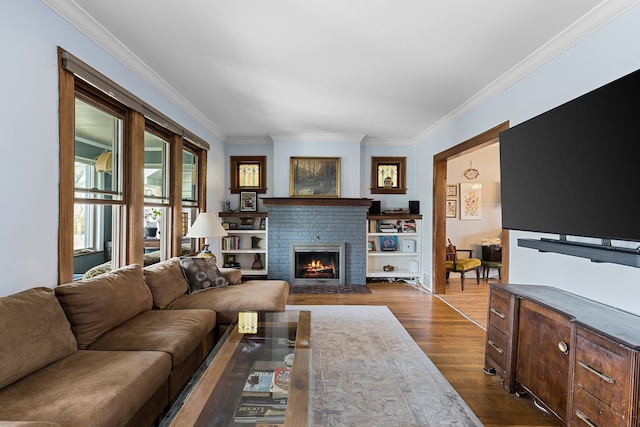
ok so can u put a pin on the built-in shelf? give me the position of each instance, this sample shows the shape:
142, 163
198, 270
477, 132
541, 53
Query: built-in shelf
594, 252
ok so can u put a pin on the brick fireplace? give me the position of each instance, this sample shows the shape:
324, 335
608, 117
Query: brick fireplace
317, 222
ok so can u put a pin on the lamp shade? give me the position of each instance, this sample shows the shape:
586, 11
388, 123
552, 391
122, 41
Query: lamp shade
104, 162
206, 224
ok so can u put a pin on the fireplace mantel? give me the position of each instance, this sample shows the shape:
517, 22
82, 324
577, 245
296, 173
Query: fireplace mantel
315, 201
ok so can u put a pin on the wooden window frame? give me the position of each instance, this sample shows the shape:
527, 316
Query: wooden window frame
401, 163
73, 76
234, 178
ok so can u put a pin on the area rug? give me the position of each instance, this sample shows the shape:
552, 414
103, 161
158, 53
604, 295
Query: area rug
368, 371
328, 289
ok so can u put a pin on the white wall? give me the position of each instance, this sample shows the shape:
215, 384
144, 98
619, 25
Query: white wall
31, 33
605, 55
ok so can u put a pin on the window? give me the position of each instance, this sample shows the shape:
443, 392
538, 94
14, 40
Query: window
156, 168
117, 164
388, 175
98, 144
189, 178
248, 173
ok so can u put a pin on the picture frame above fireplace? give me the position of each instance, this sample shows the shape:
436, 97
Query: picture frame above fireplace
314, 177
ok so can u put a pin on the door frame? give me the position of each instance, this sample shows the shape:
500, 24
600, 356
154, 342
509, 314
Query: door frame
439, 237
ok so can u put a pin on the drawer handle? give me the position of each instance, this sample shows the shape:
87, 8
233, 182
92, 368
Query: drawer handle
496, 348
584, 418
593, 371
497, 313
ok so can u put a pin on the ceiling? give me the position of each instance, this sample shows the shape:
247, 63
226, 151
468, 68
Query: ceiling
391, 71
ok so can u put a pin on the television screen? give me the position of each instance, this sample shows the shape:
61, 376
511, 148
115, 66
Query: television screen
575, 170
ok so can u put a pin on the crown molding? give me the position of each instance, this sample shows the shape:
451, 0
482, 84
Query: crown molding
319, 137
248, 140
589, 23
80, 19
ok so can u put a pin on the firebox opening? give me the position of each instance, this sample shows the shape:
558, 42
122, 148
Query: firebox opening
317, 263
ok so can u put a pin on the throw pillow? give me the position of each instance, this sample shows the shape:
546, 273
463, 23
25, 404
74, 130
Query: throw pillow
166, 281
202, 273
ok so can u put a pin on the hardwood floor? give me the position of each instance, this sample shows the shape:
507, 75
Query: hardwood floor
454, 343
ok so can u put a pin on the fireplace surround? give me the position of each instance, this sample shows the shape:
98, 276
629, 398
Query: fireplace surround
302, 220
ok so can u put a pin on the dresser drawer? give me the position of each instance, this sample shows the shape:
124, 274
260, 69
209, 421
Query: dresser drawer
587, 409
499, 310
602, 369
497, 348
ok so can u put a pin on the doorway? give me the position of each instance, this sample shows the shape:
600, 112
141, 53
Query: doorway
439, 237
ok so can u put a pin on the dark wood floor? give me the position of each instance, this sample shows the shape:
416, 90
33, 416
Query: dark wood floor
454, 343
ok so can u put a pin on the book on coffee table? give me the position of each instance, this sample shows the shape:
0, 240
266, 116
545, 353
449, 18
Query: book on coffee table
259, 413
281, 382
258, 383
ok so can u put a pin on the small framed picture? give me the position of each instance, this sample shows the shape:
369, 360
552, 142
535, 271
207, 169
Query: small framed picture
229, 259
248, 201
263, 223
452, 190
225, 225
371, 245
452, 208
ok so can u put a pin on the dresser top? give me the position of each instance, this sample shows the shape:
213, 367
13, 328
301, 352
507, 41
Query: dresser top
609, 321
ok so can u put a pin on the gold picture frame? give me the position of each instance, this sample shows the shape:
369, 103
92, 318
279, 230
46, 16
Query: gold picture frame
314, 177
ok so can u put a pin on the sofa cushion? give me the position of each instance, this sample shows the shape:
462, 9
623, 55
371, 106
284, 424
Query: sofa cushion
202, 273
97, 305
88, 388
166, 281
227, 301
176, 332
34, 332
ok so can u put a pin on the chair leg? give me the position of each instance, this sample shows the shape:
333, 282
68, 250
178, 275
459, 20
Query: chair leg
478, 275
462, 281
500, 273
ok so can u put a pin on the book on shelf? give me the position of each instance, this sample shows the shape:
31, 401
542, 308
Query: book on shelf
409, 226
230, 243
389, 243
269, 425
258, 383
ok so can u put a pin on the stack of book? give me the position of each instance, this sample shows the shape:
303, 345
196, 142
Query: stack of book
264, 397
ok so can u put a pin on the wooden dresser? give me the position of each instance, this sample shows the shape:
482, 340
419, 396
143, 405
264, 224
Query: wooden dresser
577, 358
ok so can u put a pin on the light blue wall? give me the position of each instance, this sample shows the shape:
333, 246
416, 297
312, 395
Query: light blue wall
30, 34
609, 53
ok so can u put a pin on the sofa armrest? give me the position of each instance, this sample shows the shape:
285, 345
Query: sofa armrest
233, 275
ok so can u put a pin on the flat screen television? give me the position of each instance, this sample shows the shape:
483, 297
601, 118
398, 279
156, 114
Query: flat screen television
575, 170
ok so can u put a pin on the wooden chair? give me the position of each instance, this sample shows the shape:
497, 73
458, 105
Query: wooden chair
491, 258
456, 264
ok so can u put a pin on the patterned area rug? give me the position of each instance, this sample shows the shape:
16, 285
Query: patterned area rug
368, 371
329, 289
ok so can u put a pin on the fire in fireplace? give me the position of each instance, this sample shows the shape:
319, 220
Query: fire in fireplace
317, 263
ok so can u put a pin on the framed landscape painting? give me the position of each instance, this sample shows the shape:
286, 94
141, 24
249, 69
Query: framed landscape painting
314, 177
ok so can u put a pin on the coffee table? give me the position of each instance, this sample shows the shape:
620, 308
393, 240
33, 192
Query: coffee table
215, 391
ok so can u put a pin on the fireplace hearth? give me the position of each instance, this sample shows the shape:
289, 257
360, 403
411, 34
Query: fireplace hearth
317, 263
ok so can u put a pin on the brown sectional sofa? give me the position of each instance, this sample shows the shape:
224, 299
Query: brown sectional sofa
113, 350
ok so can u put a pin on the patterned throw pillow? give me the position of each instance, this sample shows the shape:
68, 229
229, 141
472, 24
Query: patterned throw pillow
202, 273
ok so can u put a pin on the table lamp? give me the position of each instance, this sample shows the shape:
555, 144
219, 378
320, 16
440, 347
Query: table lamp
206, 225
